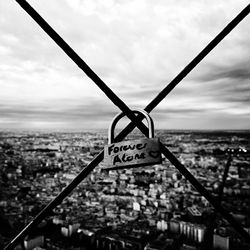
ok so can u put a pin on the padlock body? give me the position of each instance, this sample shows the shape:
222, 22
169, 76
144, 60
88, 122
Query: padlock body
133, 153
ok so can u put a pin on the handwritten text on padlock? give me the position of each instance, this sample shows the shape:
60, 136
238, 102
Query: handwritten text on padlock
137, 152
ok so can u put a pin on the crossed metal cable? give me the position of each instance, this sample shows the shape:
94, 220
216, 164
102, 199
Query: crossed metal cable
136, 120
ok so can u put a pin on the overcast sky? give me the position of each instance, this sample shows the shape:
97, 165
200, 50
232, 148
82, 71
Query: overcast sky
137, 47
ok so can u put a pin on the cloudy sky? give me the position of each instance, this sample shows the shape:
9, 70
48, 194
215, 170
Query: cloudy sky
137, 47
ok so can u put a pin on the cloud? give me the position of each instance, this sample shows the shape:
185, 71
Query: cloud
74, 114
229, 85
137, 48
236, 71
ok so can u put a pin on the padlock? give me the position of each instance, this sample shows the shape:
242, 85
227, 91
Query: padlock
135, 153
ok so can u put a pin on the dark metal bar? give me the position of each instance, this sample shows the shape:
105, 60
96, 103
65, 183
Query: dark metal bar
97, 160
212, 225
78, 60
198, 58
221, 189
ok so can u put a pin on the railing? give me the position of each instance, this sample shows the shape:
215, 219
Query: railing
136, 120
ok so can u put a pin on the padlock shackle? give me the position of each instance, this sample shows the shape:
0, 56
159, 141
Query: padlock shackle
121, 115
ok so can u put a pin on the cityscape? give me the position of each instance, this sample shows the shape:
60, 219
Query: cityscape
141, 208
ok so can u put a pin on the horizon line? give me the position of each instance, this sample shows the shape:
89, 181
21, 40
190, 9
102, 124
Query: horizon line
14, 130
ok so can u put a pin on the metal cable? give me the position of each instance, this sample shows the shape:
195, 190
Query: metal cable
198, 58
